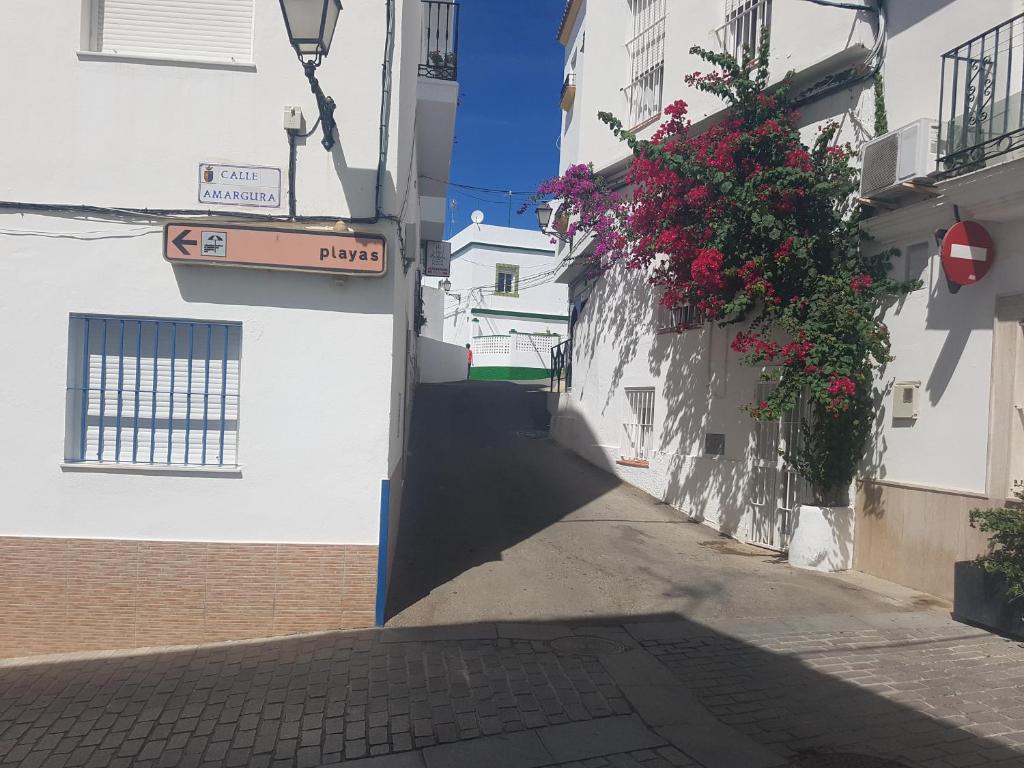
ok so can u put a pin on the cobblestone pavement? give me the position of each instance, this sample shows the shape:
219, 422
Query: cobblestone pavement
935, 694
912, 688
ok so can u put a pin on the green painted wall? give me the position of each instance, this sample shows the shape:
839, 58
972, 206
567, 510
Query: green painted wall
507, 373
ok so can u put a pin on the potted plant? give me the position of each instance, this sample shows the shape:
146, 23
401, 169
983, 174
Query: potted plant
989, 591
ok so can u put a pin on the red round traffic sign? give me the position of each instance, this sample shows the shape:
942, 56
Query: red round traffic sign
967, 252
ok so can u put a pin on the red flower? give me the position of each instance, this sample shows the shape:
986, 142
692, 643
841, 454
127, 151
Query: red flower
860, 282
799, 159
707, 269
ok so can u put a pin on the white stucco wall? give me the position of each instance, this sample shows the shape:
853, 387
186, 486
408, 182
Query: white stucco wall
328, 367
476, 251
441, 361
803, 35
940, 339
315, 384
945, 340
125, 132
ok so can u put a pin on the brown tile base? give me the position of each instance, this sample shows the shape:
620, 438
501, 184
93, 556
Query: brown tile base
63, 595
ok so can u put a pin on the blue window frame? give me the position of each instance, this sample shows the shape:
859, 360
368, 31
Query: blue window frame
152, 391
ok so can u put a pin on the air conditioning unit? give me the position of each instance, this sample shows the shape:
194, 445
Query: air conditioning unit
906, 154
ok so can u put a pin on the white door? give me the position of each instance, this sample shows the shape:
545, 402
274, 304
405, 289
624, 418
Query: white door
776, 485
1016, 473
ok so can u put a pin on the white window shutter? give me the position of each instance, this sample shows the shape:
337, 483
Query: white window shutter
210, 30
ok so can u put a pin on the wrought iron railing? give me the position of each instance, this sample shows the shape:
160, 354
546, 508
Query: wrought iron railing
561, 366
981, 112
439, 47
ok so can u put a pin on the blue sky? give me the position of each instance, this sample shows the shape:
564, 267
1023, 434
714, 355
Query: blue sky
510, 75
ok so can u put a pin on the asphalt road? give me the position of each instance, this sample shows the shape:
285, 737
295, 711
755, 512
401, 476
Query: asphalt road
500, 523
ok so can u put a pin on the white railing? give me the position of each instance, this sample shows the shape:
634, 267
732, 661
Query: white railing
490, 345
519, 350
746, 23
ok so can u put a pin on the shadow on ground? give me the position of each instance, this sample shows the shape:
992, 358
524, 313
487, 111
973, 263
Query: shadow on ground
481, 479
917, 693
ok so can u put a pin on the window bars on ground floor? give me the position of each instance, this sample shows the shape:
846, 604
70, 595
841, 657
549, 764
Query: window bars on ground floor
639, 427
152, 391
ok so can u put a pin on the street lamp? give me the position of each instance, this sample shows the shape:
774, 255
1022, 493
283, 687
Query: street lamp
446, 285
310, 25
544, 211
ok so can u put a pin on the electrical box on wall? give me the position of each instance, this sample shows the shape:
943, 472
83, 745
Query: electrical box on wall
904, 399
292, 118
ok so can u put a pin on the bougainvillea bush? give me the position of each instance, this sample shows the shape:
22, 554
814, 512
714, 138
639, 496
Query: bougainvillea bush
744, 221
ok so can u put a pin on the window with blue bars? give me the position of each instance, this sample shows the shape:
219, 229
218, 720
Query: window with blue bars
152, 391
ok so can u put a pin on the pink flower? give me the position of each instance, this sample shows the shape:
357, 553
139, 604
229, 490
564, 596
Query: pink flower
842, 386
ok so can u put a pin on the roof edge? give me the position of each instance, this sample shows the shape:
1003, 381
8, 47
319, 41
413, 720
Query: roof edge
569, 14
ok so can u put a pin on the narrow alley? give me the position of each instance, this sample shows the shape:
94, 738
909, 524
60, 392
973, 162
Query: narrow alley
501, 523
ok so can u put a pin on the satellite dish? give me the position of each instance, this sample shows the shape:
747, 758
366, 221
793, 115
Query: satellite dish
477, 217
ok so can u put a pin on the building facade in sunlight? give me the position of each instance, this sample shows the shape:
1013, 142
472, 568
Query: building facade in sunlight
212, 316
504, 302
661, 409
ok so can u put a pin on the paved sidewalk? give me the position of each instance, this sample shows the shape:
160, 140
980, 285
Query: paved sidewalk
829, 692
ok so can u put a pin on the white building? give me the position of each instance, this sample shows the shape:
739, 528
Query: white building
200, 453
670, 401
504, 302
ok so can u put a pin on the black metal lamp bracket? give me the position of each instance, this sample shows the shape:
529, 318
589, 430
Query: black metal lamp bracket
325, 104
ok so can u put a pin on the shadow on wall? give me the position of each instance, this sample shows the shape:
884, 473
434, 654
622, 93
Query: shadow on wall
622, 316
706, 688
479, 482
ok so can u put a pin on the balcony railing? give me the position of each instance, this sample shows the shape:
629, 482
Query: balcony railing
568, 91
981, 112
439, 47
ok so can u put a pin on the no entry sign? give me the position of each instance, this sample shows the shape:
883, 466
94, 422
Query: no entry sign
967, 252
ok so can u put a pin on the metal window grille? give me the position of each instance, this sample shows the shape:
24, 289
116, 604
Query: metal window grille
640, 428
746, 24
680, 318
646, 53
981, 109
149, 391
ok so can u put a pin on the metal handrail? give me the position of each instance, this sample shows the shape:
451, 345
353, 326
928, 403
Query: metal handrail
561, 366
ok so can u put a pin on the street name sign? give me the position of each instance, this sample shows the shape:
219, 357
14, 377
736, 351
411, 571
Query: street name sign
248, 185
267, 247
438, 259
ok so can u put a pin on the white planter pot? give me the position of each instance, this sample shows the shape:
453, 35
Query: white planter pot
822, 538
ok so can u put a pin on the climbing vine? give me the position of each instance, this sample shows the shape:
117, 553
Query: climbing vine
753, 227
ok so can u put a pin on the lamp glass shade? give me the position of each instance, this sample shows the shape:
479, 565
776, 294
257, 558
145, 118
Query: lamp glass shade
544, 211
446, 285
311, 24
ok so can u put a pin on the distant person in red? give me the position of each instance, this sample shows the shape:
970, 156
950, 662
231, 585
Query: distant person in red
469, 361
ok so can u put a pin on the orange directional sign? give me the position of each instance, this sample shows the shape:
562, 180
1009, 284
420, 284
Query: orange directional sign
275, 248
